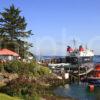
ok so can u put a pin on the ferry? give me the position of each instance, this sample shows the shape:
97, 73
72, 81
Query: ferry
76, 59
81, 60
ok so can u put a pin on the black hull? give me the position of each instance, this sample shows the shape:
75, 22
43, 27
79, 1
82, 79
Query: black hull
94, 81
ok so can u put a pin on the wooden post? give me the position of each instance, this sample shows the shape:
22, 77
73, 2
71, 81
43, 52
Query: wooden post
78, 73
86, 74
79, 63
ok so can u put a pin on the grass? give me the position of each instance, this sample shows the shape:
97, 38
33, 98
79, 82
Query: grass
6, 97
2, 84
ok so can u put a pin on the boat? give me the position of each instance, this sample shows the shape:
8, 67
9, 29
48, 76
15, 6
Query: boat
76, 59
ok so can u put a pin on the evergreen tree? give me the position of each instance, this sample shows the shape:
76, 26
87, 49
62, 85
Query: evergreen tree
13, 29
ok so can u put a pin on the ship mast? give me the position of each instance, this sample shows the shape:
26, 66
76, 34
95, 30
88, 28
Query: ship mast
74, 43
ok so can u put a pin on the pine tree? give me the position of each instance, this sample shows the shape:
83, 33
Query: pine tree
13, 29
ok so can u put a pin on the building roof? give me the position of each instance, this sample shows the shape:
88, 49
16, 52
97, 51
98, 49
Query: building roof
7, 52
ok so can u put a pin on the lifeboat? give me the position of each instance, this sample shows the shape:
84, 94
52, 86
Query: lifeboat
95, 79
97, 71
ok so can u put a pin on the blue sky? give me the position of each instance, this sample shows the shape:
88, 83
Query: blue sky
56, 22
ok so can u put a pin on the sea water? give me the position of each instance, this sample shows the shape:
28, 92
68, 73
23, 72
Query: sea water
79, 91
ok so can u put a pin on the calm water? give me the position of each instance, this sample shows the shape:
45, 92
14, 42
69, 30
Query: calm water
79, 92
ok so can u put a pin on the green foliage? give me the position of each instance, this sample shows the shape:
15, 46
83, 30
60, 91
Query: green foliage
12, 67
22, 87
12, 24
13, 29
44, 70
31, 69
6, 97
17, 87
1, 67
25, 86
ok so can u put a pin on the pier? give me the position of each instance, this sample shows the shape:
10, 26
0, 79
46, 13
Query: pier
75, 72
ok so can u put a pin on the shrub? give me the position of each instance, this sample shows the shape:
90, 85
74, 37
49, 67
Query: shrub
22, 87
1, 67
26, 68
44, 70
13, 67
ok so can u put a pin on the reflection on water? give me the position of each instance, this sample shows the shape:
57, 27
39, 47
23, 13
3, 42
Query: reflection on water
79, 92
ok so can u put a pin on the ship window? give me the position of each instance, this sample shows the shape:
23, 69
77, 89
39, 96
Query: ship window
72, 60
86, 59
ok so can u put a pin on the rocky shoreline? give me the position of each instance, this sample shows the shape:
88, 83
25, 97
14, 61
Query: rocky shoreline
57, 98
44, 82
